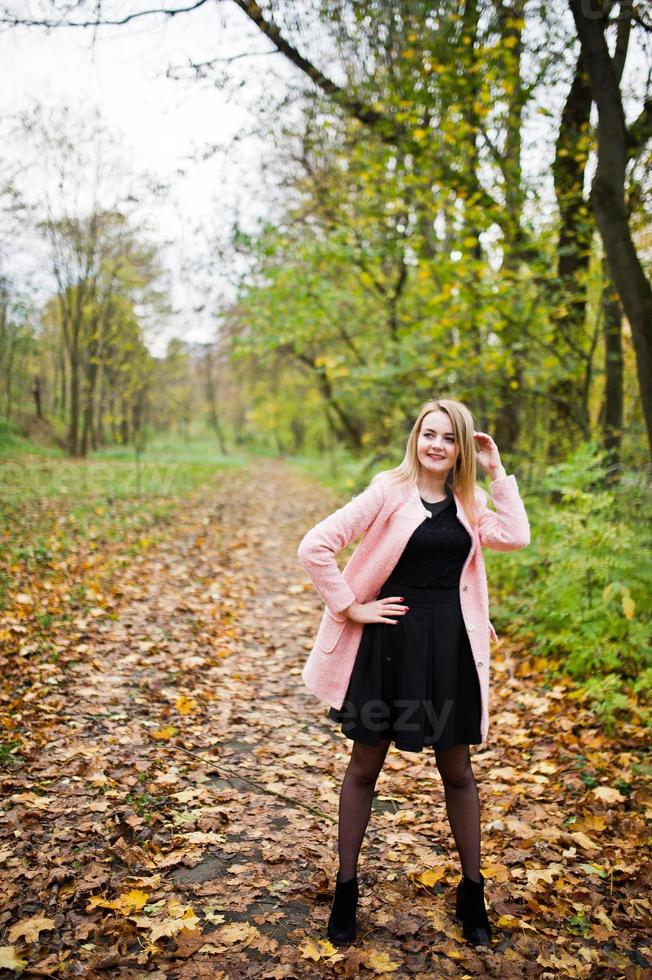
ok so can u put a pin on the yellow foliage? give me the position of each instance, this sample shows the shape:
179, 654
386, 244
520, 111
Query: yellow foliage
9, 960
163, 734
126, 904
185, 705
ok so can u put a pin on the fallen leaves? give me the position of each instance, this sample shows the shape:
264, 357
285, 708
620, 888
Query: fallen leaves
179, 918
126, 904
30, 929
184, 705
164, 734
9, 960
173, 795
608, 794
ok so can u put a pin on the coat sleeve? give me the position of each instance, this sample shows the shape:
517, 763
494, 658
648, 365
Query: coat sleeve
326, 539
507, 528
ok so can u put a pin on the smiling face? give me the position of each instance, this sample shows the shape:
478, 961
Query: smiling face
437, 449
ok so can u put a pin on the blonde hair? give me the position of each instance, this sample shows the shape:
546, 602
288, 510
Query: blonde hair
462, 478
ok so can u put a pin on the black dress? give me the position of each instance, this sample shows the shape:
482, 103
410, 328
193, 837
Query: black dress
415, 682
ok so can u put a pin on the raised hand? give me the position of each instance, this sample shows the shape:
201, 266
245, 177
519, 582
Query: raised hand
488, 456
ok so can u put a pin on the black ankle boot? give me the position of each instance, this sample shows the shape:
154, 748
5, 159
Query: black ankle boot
341, 924
470, 908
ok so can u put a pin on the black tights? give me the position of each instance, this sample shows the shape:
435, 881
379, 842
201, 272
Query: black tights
460, 792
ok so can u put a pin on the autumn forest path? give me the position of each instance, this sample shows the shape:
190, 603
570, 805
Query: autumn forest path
173, 813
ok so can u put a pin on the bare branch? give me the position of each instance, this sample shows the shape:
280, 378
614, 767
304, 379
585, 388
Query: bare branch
15, 21
356, 107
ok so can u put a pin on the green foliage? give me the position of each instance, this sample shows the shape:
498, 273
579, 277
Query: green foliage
581, 589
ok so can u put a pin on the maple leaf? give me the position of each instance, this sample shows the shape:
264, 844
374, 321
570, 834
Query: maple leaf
30, 928
310, 949
9, 960
180, 918
236, 932
427, 879
126, 903
379, 961
185, 705
608, 794
163, 734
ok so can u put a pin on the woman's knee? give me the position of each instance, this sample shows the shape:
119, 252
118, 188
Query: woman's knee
367, 761
454, 766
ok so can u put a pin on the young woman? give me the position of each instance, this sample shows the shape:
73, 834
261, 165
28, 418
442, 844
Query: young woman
402, 651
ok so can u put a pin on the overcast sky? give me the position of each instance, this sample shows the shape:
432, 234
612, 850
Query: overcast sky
163, 122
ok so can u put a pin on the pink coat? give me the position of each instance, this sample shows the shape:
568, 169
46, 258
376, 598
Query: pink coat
389, 513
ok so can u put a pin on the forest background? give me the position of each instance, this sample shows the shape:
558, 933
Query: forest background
458, 203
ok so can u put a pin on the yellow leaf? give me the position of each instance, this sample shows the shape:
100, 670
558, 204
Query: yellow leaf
513, 922
185, 705
235, 932
30, 928
162, 734
310, 950
628, 606
9, 960
584, 841
602, 916
127, 903
535, 875
608, 794
379, 961
606, 592
170, 927
428, 878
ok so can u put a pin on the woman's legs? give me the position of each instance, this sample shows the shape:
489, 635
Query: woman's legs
356, 796
462, 805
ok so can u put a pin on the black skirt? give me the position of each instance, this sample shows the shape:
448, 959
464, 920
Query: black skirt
415, 682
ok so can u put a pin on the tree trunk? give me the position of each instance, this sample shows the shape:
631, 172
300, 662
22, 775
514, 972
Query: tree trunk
36, 393
509, 419
613, 370
574, 250
608, 196
73, 422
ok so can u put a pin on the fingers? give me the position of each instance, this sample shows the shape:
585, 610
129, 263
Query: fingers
483, 437
393, 604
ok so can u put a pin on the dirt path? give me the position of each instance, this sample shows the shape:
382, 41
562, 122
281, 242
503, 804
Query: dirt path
174, 814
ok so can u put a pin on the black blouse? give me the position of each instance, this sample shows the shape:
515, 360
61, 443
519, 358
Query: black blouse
434, 556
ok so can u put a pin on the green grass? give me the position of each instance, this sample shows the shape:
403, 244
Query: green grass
62, 519
13, 444
167, 468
